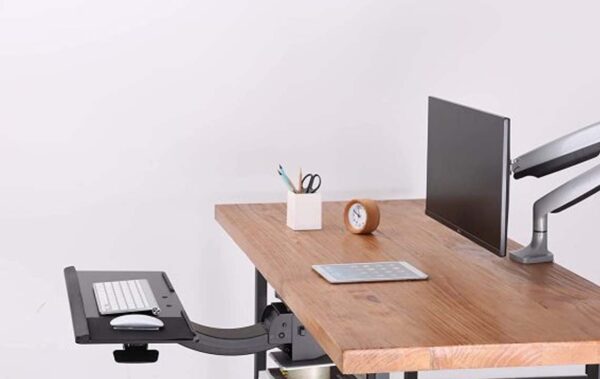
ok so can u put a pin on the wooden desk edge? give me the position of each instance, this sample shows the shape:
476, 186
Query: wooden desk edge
469, 357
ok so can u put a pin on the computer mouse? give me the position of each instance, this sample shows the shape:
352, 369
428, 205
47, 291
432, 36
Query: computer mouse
136, 322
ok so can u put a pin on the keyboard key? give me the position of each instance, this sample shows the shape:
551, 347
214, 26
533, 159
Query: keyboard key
127, 294
120, 298
138, 284
101, 298
136, 295
112, 299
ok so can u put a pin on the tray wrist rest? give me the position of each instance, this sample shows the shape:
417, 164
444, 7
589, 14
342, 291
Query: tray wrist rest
80, 326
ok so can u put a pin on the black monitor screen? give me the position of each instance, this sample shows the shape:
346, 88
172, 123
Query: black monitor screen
468, 172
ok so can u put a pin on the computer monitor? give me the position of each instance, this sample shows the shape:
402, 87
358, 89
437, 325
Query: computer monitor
468, 163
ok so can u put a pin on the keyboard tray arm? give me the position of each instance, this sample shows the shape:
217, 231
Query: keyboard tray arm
274, 331
279, 327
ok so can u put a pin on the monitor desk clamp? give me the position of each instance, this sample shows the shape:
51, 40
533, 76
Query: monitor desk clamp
278, 328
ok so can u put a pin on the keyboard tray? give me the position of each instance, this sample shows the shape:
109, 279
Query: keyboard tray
92, 328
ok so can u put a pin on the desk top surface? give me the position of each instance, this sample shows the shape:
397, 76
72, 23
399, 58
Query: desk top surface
476, 311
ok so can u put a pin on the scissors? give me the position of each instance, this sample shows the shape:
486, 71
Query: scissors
311, 187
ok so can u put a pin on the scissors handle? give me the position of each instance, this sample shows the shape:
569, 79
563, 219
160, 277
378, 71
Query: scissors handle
310, 187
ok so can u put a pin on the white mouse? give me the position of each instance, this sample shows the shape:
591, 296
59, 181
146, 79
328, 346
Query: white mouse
136, 322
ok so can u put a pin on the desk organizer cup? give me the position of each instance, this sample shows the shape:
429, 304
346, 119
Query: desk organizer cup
304, 211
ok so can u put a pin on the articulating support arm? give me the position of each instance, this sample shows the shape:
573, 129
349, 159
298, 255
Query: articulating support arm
569, 194
279, 329
557, 155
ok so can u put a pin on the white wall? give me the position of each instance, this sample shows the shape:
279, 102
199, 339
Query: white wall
123, 122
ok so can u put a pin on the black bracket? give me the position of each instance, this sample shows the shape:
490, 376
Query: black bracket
279, 328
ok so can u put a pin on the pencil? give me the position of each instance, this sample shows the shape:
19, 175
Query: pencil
287, 182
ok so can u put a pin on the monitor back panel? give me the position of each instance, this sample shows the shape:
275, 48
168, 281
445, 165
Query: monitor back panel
468, 162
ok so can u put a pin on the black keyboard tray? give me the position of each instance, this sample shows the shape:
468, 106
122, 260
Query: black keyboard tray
92, 328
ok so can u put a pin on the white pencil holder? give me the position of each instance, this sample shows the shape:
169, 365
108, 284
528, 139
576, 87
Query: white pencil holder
304, 211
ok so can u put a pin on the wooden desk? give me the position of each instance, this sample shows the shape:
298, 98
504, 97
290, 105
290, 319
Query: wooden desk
476, 311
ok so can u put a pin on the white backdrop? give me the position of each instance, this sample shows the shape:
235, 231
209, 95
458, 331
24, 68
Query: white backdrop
123, 122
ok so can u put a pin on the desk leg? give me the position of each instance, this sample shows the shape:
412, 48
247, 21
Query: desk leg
411, 375
592, 371
260, 303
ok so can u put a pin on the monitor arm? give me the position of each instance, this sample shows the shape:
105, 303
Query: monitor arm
567, 195
557, 155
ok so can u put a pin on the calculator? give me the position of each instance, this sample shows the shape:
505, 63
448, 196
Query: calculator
369, 272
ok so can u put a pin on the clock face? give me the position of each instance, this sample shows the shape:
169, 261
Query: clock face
357, 216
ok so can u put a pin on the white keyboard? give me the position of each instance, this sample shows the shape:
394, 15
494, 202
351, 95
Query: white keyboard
125, 296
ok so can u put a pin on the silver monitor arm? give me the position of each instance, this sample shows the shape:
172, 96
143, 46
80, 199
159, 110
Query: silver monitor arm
557, 155
565, 196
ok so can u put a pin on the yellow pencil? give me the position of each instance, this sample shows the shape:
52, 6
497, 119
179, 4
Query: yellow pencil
300, 189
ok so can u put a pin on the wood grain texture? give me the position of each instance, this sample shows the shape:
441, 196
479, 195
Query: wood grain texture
475, 311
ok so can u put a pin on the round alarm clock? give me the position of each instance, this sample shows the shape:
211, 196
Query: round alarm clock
361, 216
